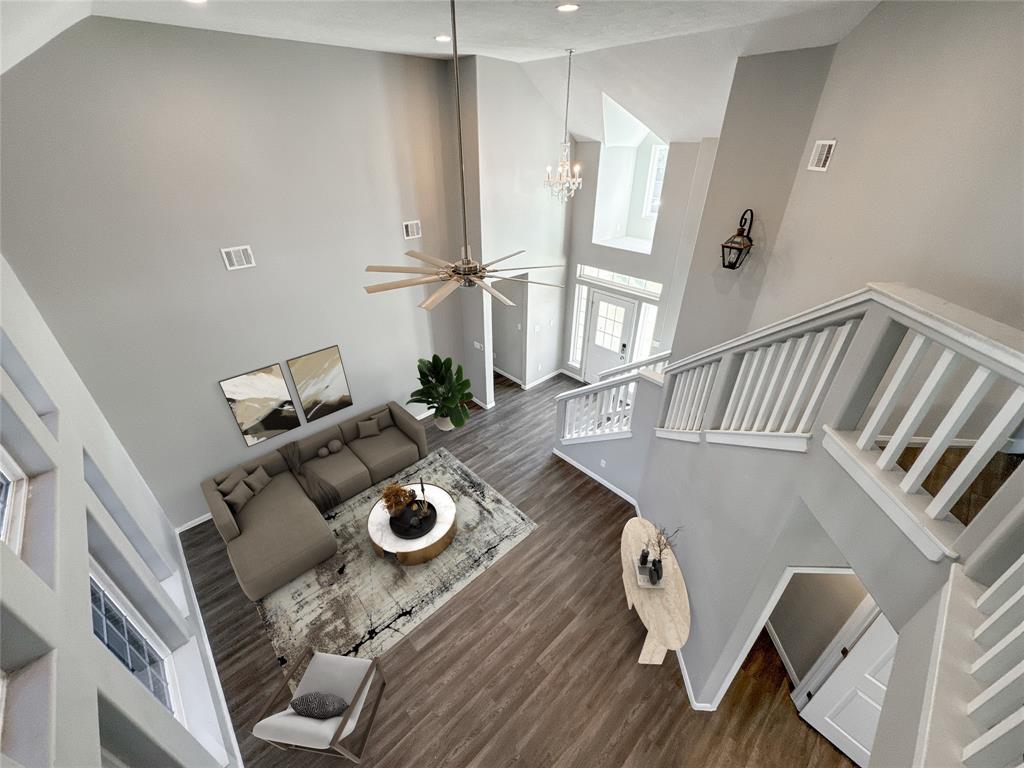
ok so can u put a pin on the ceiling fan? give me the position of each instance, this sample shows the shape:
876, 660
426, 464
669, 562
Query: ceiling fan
464, 272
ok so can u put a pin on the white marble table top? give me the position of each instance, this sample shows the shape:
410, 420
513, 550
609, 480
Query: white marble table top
380, 529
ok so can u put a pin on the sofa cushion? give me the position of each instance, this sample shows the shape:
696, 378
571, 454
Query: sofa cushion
385, 454
282, 536
238, 497
344, 471
233, 478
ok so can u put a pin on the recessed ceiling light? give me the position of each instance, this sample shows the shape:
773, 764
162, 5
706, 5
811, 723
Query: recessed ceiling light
568, 7
443, 38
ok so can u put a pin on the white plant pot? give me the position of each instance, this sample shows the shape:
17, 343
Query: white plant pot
444, 423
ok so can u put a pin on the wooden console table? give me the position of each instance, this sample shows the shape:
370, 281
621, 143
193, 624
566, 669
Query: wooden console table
664, 611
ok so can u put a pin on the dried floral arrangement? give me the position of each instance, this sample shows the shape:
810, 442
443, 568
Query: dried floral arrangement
661, 542
396, 498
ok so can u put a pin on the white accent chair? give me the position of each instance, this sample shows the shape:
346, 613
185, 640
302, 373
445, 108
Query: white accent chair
344, 676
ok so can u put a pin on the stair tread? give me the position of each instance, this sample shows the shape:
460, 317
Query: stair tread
1002, 656
1007, 616
999, 745
999, 699
1003, 587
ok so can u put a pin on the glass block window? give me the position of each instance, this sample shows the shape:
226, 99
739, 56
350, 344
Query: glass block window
123, 638
618, 280
579, 322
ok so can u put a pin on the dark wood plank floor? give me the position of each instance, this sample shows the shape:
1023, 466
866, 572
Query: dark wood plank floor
534, 663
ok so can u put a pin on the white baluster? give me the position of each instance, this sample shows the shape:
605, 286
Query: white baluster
691, 410
980, 383
757, 396
992, 439
887, 403
828, 373
737, 387
919, 408
692, 377
774, 383
702, 407
677, 399
790, 382
807, 377
748, 389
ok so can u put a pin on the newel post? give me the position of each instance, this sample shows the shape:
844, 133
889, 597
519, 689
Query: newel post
874, 345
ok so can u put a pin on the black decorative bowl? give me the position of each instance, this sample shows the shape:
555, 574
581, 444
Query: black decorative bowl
408, 525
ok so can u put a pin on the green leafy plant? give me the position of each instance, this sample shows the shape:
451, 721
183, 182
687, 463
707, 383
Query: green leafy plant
443, 389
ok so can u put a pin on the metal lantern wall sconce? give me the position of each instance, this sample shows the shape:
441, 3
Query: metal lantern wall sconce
737, 247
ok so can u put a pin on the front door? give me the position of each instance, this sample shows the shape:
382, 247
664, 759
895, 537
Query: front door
846, 707
610, 326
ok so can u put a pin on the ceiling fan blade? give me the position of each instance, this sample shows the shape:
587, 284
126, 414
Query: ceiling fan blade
429, 259
521, 280
489, 263
404, 270
527, 269
504, 300
401, 284
440, 294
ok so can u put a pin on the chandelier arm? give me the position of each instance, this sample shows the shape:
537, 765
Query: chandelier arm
458, 120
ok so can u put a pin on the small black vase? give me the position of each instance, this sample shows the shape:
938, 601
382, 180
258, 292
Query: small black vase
654, 572
644, 555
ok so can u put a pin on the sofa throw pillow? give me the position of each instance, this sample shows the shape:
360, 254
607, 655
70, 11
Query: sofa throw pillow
257, 480
227, 485
368, 428
318, 705
334, 446
384, 419
237, 498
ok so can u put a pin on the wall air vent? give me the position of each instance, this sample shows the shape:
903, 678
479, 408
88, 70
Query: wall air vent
821, 155
412, 229
238, 257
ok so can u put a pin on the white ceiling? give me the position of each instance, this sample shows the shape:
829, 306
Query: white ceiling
668, 62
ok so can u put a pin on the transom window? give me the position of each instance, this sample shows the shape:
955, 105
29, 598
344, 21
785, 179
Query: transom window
620, 281
610, 319
126, 642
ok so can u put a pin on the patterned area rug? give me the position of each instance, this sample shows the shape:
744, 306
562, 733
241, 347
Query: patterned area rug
358, 604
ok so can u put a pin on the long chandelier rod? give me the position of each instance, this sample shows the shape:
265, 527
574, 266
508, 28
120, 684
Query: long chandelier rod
458, 119
568, 83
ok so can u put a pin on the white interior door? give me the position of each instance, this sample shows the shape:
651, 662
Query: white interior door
610, 326
846, 707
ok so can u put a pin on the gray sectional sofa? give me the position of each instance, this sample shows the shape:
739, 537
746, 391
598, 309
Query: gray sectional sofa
278, 533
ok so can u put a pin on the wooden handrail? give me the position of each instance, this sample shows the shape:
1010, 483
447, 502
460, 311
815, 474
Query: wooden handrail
626, 367
607, 384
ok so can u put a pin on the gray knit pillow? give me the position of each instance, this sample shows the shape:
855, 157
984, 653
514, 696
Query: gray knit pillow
321, 706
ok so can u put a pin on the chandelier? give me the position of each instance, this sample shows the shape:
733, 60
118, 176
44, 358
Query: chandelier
564, 183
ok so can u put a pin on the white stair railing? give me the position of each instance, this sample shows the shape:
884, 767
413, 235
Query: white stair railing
652, 364
599, 411
974, 707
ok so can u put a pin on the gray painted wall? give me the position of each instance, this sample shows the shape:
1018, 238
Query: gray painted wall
132, 152
811, 611
508, 329
771, 107
925, 187
518, 135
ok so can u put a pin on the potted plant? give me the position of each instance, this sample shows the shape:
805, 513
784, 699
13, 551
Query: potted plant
445, 390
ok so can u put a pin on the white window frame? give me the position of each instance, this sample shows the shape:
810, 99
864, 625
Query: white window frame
13, 529
659, 157
629, 290
119, 599
578, 329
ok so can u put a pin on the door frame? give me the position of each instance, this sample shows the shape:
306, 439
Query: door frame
614, 296
762, 620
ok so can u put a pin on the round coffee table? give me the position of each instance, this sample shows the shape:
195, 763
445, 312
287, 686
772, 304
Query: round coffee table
427, 547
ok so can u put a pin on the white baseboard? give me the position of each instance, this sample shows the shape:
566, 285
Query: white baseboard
782, 653
542, 379
572, 375
509, 376
485, 406
193, 523
694, 704
598, 478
